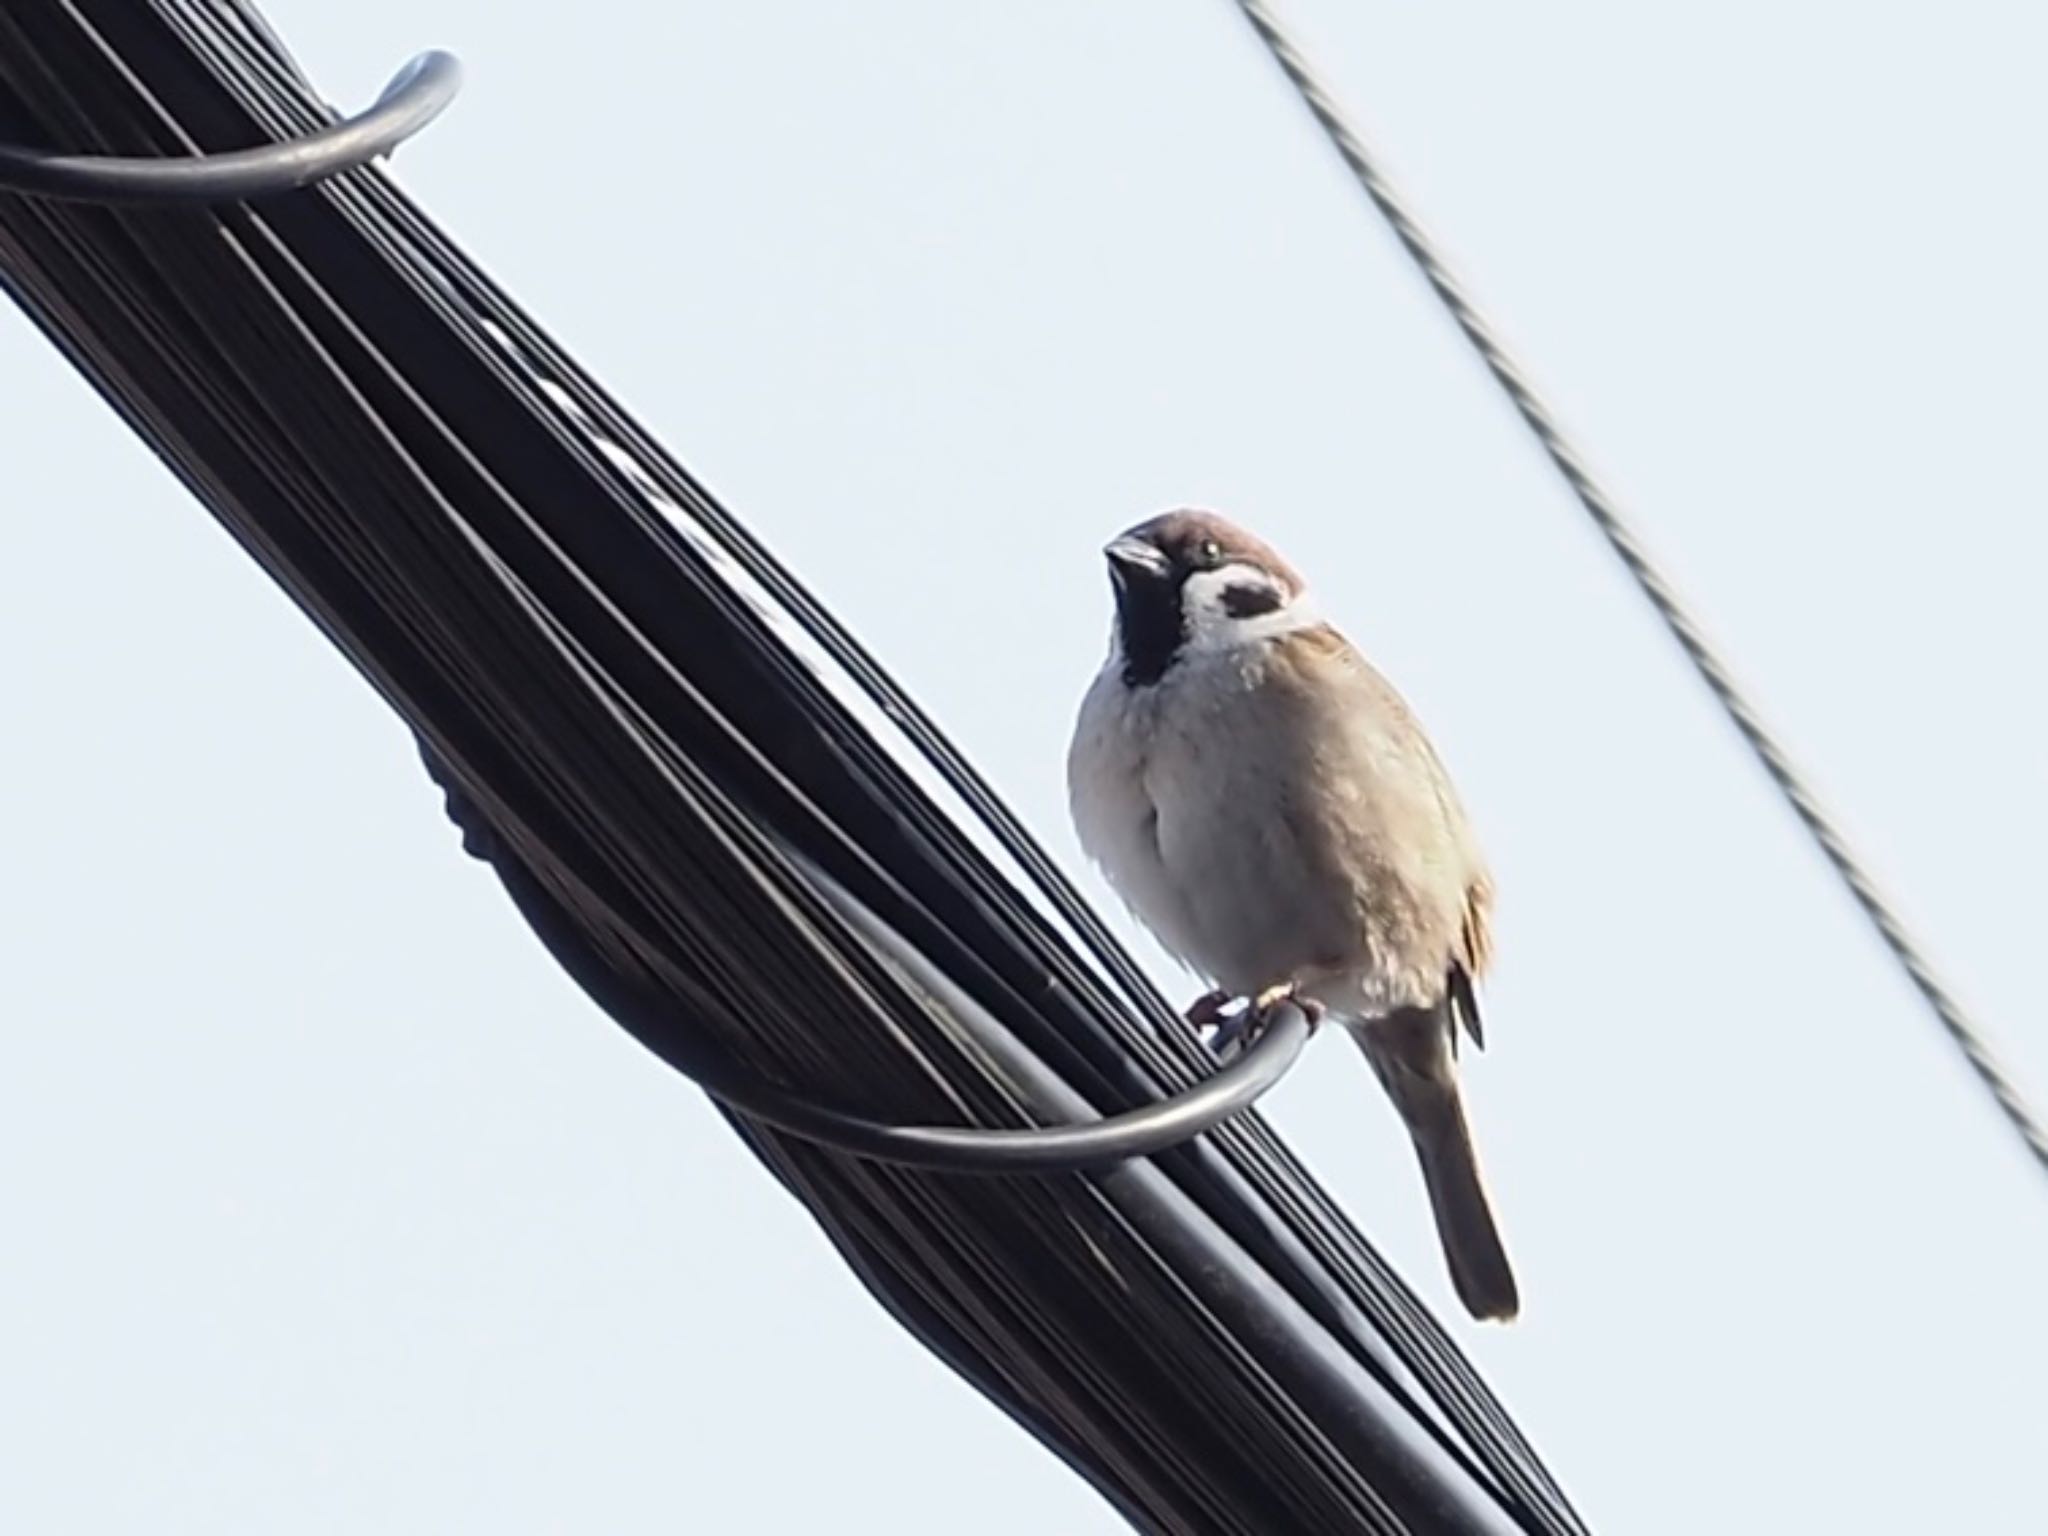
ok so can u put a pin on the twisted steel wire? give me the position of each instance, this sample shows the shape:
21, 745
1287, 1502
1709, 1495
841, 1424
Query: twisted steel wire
1614, 526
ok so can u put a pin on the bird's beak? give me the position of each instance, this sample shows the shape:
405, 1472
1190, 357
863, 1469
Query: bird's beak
1135, 557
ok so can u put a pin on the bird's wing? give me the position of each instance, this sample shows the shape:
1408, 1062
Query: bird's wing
1475, 949
1472, 945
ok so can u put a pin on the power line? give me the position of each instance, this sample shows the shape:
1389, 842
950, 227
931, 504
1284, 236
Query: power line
1607, 516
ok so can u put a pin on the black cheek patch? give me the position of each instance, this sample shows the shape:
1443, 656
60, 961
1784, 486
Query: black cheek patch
1248, 602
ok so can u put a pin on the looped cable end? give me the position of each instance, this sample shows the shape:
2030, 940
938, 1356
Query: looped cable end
416, 95
1089, 1141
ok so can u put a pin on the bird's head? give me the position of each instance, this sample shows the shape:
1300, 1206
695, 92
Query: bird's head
1189, 583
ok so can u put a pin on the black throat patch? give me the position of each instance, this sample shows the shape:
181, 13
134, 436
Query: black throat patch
1149, 624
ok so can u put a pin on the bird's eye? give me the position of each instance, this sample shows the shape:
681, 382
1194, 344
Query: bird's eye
1208, 554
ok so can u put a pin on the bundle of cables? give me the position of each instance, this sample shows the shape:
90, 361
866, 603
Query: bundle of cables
725, 820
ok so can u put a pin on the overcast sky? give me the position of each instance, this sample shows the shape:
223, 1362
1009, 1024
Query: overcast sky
332, 1207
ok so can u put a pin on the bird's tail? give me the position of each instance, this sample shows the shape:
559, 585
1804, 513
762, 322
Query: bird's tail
1411, 1054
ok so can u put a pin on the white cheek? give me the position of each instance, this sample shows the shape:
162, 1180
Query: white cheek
1213, 627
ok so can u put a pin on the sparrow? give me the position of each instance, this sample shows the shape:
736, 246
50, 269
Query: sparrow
1267, 804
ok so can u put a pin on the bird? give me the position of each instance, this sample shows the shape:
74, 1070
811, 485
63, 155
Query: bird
1268, 805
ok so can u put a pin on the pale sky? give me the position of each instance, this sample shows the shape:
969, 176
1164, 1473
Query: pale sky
333, 1207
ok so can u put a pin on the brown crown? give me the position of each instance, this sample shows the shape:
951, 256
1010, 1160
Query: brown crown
1178, 535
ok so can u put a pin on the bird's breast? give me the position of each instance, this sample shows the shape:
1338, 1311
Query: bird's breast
1117, 769
1188, 813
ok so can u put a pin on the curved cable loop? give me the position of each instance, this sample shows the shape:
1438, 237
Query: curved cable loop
1119, 1138
1627, 545
416, 95
1276, 1042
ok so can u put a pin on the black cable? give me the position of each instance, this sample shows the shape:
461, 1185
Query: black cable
1276, 1045
417, 95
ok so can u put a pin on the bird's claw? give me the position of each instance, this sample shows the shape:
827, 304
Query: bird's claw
1234, 1031
1289, 992
1256, 1016
1209, 1012
1273, 997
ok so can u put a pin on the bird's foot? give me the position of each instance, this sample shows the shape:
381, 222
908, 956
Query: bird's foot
1274, 996
1226, 1030
1232, 1032
1287, 992
1235, 1033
